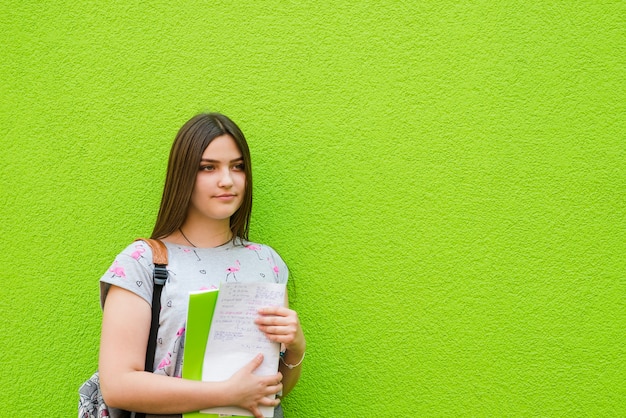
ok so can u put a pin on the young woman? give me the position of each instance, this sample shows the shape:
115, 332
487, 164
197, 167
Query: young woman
203, 220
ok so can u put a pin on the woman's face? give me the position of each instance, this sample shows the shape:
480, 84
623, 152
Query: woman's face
220, 183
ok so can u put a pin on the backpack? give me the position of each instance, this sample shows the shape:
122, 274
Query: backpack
90, 403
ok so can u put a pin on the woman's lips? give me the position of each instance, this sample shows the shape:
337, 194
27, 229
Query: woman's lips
225, 196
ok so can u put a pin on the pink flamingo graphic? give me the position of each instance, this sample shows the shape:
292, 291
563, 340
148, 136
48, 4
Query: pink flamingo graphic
179, 335
275, 268
232, 270
117, 270
138, 253
256, 248
165, 362
187, 250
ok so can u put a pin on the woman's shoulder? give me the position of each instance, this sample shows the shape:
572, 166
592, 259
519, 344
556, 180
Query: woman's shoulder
255, 246
146, 248
137, 249
267, 251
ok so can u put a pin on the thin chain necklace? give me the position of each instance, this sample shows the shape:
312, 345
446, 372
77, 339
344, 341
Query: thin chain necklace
186, 239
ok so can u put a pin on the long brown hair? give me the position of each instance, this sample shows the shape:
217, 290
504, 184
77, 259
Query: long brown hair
184, 163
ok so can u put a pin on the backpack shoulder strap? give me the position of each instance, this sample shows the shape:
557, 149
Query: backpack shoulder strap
159, 250
159, 259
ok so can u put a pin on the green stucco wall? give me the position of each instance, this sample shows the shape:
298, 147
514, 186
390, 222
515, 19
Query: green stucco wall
445, 179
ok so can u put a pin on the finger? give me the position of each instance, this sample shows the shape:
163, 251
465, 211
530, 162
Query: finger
276, 329
282, 339
273, 381
254, 363
276, 320
274, 310
274, 389
271, 320
269, 401
278, 338
268, 320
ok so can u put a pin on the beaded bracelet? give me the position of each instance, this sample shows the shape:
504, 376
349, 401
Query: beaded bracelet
291, 366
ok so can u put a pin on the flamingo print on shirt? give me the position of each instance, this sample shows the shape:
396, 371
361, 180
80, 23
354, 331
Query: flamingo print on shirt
256, 248
275, 268
187, 250
179, 341
138, 253
117, 270
232, 270
165, 362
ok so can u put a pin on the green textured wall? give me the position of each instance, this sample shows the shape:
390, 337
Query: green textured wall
446, 180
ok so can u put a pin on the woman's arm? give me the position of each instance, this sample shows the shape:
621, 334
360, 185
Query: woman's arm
282, 325
125, 384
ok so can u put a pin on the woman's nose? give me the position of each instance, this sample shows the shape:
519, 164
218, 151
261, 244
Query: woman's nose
226, 179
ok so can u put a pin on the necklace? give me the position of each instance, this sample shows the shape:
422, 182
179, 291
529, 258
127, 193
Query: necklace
186, 239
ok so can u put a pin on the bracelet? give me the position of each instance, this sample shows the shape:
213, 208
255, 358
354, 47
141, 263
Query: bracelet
291, 366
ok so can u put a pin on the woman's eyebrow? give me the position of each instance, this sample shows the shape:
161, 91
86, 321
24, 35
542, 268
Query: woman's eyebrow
209, 160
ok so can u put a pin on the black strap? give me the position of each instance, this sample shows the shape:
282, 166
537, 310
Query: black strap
159, 279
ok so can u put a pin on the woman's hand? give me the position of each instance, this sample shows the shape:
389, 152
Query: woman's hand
281, 325
253, 391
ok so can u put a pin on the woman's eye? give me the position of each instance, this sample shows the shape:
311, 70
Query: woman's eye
207, 168
239, 167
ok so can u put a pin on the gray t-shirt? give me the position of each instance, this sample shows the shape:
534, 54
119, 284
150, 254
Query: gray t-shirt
189, 269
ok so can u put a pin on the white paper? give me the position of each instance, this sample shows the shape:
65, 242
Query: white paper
234, 339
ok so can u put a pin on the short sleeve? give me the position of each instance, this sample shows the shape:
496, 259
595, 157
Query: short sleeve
131, 270
280, 268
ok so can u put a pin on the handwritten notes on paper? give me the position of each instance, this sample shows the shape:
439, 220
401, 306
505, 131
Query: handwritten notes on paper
234, 339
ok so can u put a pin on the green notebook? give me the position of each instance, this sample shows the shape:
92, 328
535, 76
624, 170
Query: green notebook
199, 314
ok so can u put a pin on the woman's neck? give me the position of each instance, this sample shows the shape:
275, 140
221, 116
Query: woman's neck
203, 235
